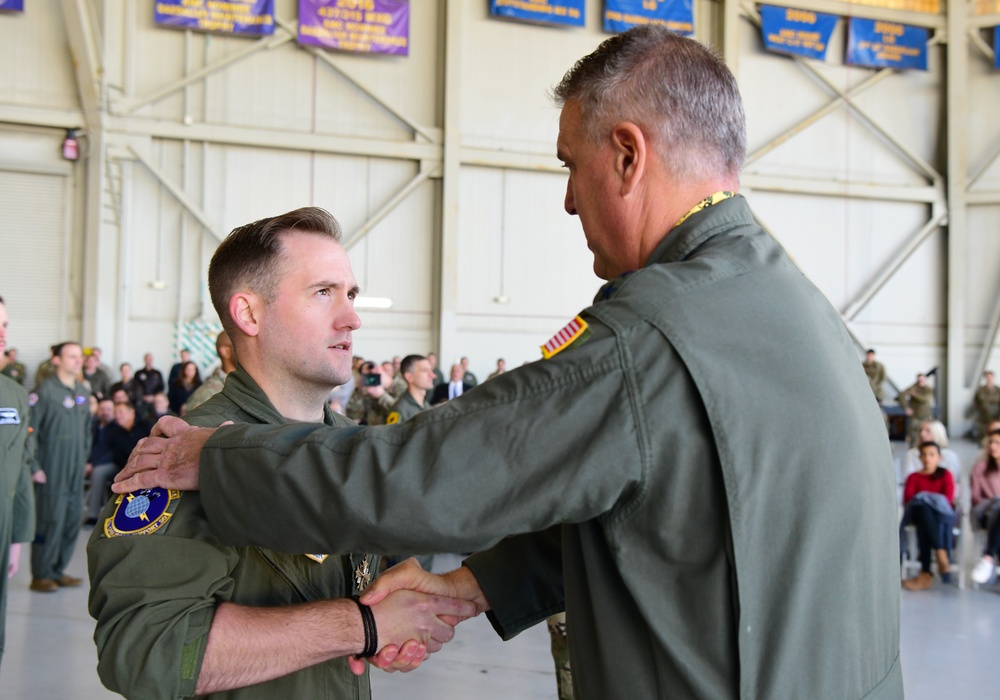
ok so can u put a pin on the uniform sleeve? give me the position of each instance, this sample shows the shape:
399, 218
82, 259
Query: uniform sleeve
522, 578
154, 598
555, 441
24, 493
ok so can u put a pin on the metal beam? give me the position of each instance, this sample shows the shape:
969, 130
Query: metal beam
988, 343
178, 194
873, 125
957, 121
817, 115
862, 298
276, 138
126, 105
421, 177
986, 166
983, 197
926, 194
325, 57
510, 160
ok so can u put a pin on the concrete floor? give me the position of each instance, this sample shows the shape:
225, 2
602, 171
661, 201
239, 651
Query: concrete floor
949, 643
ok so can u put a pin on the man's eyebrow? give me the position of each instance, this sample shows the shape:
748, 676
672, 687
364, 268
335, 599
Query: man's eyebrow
337, 285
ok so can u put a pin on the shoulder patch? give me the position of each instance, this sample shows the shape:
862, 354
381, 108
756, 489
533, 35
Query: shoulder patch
575, 330
141, 512
9, 416
392, 418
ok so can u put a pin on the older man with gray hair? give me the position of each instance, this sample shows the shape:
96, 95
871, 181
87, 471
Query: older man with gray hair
659, 474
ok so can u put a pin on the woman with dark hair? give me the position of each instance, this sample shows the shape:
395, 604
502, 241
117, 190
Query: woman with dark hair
985, 491
929, 505
188, 379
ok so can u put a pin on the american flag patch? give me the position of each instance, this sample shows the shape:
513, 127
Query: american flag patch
564, 338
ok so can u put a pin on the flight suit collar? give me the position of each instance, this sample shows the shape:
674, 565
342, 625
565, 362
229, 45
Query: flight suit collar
682, 240
243, 391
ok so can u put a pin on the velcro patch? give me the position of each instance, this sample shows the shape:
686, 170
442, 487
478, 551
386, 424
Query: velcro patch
141, 512
575, 330
9, 416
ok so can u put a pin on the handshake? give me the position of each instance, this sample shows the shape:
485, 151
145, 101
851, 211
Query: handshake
415, 613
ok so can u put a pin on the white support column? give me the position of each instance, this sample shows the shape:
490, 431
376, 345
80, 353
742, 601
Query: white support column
958, 168
87, 45
447, 322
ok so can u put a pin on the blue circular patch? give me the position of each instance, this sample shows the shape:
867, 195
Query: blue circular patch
141, 512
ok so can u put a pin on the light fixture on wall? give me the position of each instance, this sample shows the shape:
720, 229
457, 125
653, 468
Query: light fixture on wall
502, 299
71, 145
373, 303
158, 285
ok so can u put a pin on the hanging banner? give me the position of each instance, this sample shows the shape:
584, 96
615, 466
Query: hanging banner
796, 32
878, 44
563, 13
242, 17
11, 5
996, 47
675, 15
360, 26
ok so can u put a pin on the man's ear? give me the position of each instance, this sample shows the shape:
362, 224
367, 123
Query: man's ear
631, 153
245, 308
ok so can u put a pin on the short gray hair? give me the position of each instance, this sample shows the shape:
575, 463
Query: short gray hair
677, 90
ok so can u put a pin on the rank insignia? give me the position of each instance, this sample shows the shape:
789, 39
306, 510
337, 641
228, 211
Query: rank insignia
362, 575
141, 512
575, 330
9, 416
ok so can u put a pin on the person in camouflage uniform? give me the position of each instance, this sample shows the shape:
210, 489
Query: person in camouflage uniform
370, 404
987, 403
917, 401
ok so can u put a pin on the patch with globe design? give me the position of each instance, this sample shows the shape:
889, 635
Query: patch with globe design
141, 512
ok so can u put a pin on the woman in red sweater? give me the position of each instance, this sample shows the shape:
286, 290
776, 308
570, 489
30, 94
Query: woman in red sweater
929, 505
985, 492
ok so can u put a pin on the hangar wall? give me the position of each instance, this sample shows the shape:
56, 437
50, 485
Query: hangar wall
440, 167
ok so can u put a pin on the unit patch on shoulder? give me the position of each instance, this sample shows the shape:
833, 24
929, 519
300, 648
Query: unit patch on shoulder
575, 331
9, 416
392, 418
141, 512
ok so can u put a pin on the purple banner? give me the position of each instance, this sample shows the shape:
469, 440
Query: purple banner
11, 5
244, 17
361, 26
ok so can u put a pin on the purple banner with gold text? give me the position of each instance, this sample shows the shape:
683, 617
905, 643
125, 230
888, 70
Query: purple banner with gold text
361, 26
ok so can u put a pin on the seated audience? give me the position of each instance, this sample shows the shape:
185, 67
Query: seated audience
985, 492
188, 379
929, 505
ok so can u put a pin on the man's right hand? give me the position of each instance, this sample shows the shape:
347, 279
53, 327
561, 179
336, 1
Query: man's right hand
170, 461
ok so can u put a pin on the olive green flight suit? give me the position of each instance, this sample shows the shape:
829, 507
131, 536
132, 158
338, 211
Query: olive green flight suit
154, 595
699, 549
405, 408
60, 417
17, 501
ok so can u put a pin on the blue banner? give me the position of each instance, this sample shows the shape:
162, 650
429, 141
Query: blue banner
996, 47
797, 32
11, 5
622, 15
244, 17
565, 13
878, 44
